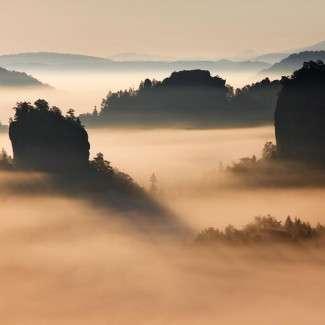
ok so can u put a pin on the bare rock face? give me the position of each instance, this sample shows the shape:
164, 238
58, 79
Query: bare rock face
300, 115
43, 139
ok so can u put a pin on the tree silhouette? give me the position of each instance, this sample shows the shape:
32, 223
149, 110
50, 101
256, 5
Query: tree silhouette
193, 98
269, 151
264, 230
43, 139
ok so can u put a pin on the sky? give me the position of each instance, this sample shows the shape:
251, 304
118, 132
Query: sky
167, 28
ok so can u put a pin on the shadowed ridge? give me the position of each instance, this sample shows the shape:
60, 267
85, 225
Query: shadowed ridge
19, 79
293, 62
300, 115
187, 99
44, 140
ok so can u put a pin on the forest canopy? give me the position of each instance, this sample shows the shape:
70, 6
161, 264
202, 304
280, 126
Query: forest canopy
264, 230
190, 99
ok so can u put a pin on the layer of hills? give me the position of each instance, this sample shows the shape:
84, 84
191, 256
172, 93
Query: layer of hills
270, 58
283, 64
275, 57
18, 79
47, 59
59, 61
293, 62
279, 63
132, 61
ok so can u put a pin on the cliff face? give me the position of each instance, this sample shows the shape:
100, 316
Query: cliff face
300, 115
43, 139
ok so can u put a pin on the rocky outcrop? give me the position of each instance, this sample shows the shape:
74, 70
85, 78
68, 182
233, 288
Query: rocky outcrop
43, 139
300, 115
194, 78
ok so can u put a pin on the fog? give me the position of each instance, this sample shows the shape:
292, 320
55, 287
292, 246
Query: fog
65, 260
187, 162
174, 155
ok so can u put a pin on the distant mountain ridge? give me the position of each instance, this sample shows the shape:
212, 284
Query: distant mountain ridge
49, 58
320, 46
294, 62
272, 57
278, 56
61, 61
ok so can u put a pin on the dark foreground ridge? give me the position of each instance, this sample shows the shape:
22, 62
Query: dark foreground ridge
45, 141
187, 99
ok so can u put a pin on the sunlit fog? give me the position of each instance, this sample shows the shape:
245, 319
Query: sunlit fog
62, 256
162, 162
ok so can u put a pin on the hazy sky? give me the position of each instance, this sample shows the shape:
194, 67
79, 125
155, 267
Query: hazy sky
176, 28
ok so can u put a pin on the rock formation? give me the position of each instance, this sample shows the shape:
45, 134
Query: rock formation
300, 115
43, 139
194, 78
